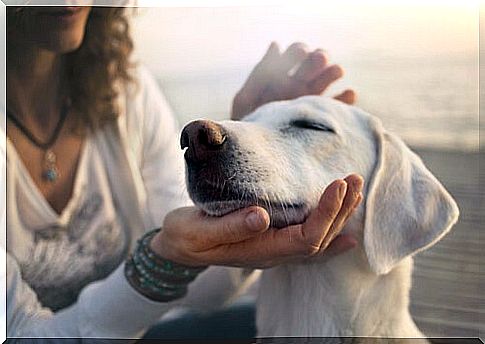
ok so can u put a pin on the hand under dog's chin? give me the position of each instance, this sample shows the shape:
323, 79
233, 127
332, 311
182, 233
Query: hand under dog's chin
280, 216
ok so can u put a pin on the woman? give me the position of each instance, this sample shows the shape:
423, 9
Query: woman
93, 164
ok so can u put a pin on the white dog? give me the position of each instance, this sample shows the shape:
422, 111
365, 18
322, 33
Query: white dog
281, 157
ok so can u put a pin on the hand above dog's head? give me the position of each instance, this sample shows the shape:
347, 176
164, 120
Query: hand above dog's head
284, 154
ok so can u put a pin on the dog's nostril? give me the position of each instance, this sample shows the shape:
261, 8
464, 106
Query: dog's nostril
211, 137
203, 140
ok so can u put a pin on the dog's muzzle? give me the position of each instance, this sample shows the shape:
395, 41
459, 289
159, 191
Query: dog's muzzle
220, 178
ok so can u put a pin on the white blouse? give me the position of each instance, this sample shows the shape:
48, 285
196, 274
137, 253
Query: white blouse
130, 176
66, 252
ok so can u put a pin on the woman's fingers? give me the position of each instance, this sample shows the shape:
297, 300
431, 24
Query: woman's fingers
275, 246
350, 202
187, 231
234, 227
247, 99
242, 238
329, 75
311, 67
272, 247
272, 52
347, 96
320, 220
295, 54
261, 74
264, 250
287, 75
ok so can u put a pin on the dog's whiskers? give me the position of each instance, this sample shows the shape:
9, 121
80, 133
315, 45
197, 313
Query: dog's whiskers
232, 177
223, 186
255, 195
268, 204
283, 207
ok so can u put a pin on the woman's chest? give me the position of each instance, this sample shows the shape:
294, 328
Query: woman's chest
60, 253
53, 170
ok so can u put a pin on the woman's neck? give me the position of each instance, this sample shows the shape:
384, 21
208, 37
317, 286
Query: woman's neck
34, 85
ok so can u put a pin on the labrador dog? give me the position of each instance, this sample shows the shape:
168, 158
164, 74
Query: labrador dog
281, 157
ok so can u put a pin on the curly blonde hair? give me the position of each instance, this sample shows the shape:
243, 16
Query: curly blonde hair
94, 69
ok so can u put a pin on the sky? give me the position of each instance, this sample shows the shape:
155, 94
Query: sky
188, 40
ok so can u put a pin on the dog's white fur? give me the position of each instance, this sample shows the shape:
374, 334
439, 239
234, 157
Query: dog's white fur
365, 291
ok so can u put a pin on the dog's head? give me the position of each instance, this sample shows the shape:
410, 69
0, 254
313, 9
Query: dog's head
284, 154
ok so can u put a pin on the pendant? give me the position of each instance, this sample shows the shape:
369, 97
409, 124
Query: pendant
51, 172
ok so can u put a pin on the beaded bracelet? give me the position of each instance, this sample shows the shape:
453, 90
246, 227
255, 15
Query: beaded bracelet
155, 277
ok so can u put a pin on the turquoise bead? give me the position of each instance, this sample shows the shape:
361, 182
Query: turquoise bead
51, 175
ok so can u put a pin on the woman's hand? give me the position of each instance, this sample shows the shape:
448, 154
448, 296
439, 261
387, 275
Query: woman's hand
244, 239
270, 80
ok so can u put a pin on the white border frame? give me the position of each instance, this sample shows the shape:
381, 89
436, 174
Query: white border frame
132, 3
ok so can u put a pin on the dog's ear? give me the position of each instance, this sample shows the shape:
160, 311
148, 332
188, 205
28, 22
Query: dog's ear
407, 209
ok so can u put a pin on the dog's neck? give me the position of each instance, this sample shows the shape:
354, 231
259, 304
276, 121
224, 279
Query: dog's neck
338, 297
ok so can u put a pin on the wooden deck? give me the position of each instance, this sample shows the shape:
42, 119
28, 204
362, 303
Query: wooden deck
448, 295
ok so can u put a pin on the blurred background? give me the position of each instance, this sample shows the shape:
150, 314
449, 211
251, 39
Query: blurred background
415, 66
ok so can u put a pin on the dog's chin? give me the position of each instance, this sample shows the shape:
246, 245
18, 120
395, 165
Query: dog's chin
280, 215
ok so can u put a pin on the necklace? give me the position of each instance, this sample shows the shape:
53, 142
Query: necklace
50, 171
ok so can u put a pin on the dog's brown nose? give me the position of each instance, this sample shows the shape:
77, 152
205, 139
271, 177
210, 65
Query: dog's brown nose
203, 138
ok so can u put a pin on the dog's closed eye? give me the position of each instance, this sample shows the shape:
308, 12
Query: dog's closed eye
312, 125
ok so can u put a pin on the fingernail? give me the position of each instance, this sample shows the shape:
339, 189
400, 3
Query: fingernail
361, 185
337, 71
342, 189
256, 220
360, 197
358, 200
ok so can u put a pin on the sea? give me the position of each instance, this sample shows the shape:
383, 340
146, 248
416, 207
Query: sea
430, 103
